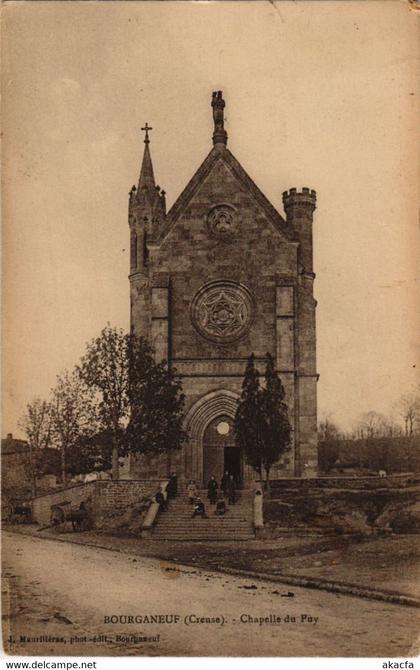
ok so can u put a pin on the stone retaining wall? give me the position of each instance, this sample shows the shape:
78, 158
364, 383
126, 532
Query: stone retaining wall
105, 497
112, 496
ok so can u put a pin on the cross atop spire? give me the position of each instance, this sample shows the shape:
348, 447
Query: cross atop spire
146, 130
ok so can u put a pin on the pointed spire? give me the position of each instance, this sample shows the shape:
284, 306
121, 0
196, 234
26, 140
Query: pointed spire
218, 105
146, 203
147, 177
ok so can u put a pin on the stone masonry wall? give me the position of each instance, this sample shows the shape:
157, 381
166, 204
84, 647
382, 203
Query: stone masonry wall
105, 497
111, 496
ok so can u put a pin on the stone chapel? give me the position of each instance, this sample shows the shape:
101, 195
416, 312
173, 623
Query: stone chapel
219, 276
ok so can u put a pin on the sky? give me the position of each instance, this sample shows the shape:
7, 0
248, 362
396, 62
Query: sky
318, 94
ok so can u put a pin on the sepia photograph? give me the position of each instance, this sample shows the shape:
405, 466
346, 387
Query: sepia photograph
211, 395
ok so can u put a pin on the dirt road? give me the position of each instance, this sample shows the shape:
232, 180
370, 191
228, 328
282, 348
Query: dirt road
75, 594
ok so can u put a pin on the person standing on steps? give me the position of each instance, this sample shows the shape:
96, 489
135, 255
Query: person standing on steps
212, 490
224, 481
191, 491
172, 488
258, 509
231, 490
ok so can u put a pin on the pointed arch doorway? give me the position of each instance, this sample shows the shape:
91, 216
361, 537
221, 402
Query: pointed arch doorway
220, 451
212, 449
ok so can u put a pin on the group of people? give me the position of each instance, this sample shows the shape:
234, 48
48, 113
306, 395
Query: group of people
215, 495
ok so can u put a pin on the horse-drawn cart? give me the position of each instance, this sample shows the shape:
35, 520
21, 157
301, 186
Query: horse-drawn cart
81, 518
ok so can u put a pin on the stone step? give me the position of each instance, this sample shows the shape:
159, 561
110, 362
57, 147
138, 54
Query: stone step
203, 538
202, 533
182, 506
220, 520
185, 514
186, 523
177, 522
206, 526
213, 527
230, 513
221, 531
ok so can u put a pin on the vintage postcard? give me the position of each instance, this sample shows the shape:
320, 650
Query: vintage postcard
211, 398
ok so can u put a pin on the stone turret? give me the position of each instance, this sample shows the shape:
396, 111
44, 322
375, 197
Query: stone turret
146, 216
299, 208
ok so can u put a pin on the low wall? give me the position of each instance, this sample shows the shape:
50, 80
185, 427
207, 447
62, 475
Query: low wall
106, 497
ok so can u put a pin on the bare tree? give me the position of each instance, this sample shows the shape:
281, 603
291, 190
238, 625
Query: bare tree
408, 408
36, 424
72, 415
329, 438
372, 424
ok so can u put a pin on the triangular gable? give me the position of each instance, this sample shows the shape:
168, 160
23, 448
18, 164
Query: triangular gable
195, 182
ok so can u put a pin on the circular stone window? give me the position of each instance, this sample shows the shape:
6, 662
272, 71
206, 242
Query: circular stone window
223, 428
222, 311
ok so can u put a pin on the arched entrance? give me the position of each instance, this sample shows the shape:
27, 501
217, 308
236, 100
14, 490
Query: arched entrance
220, 451
210, 449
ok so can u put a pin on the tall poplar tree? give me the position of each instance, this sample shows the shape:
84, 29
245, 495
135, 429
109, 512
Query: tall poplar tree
276, 430
262, 427
248, 420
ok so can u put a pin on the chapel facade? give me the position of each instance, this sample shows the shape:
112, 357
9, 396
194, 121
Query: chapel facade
219, 276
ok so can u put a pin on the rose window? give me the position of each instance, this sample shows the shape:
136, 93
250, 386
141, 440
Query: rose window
222, 311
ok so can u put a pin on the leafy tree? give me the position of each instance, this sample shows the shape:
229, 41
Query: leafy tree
261, 423
156, 404
48, 462
104, 369
72, 417
36, 424
92, 452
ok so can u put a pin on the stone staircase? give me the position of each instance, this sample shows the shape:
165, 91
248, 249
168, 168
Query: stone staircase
177, 522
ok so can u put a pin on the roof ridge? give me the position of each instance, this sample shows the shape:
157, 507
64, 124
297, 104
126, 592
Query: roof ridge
216, 153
